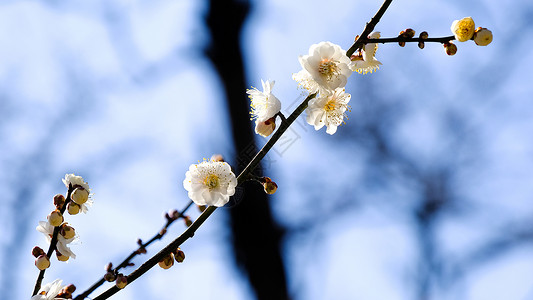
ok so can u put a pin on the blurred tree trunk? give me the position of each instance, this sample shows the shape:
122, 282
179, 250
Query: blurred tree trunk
256, 236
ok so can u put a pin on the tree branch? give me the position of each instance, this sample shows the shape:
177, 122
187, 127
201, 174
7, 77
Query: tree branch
189, 233
127, 260
53, 242
368, 28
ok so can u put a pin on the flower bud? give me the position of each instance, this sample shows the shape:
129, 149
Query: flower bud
265, 128
402, 44
37, 251
174, 214
270, 187
61, 257
217, 157
55, 218
109, 267
424, 35
80, 195
450, 48
109, 276
187, 220
409, 33
70, 288
59, 200
179, 255
482, 36
42, 262
421, 45
122, 281
463, 29
73, 208
201, 208
67, 231
167, 261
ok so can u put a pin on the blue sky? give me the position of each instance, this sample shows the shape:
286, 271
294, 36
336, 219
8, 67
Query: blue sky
121, 94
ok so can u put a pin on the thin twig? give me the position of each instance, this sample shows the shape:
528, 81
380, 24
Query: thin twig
368, 28
53, 241
127, 260
189, 232
443, 39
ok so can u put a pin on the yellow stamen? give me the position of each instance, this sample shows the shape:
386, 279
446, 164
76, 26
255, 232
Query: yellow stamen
212, 181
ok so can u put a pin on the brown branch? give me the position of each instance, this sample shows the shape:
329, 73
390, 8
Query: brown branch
368, 28
126, 262
443, 39
189, 233
53, 242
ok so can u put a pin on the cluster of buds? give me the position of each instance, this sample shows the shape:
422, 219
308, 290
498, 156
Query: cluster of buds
55, 228
66, 292
406, 34
465, 30
111, 275
168, 261
42, 261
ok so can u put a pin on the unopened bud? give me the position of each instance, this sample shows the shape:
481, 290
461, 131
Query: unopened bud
110, 276
187, 220
80, 195
409, 33
167, 261
55, 218
201, 208
70, 288
217, 157
402, 44
37, 251
59, 200
174, 214
482, 36
421, 45
67, 231
179, 255
270, 187
162, 231
424, 35
73, 208
122, 281
109, 267
42, 262
450, 48
61, 257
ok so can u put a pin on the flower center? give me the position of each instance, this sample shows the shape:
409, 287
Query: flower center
330, 105
211, 181
328, 68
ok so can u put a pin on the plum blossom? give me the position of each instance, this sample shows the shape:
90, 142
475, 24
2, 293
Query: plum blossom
365, 61
210, 183
328, 110
49, 291
325, 68
265, 107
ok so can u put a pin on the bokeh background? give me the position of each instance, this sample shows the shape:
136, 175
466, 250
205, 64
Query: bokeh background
424, 193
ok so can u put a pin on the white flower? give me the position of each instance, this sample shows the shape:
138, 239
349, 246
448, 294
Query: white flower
366, 61
463, 29
78, 181
49, 291
328, 110
265, 106
210, 183
48, 231
324, 69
